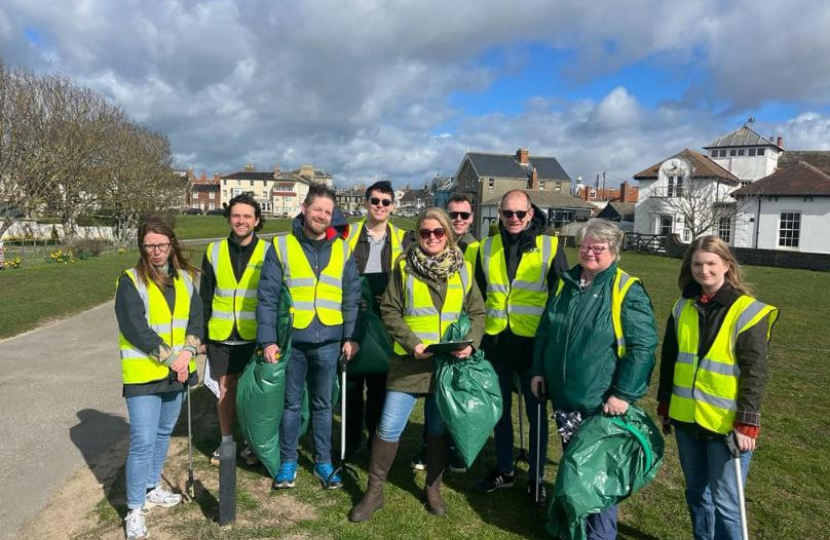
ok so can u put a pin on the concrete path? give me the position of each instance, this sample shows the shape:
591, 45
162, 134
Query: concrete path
60, 397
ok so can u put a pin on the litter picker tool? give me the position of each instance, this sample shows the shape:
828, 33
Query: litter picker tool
189, 486
734, 449
342, 467
537, 481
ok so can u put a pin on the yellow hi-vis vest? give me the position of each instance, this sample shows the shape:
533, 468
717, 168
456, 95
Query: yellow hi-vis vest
234, 303
706, 390
421, 315
471, 253
312, 296
137, 367
522, 302
395, 239
622, 283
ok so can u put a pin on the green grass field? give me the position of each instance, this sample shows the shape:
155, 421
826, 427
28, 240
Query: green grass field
786, 492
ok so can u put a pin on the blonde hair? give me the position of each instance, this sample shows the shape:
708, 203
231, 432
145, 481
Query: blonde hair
602, 231
441, 217
713, 244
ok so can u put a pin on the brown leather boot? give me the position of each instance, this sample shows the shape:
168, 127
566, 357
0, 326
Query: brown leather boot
437, 460
380, 461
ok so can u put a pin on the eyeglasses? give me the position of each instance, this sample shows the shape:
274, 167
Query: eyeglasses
437, 233
376, 201
598, 250
510, 213
463, 215
156, 247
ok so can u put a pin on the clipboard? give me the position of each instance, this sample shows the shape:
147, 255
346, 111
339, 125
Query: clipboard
447, 347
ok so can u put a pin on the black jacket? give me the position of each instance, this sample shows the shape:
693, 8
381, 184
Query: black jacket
506, 347
751, 352
240, 257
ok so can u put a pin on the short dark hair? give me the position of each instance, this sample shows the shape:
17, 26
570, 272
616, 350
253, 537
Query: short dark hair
383, 186
319, 190
246, 198
459, 198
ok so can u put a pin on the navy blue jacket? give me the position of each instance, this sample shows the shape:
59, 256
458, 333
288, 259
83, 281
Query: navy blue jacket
271, 283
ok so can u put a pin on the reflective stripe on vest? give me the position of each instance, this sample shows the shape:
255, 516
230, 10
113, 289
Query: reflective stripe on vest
706, 390
137, 367
311, 296
395, 239
420, 313
521, 303
622, 284
234, 303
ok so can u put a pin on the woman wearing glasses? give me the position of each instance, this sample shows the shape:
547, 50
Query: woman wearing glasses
430, 286
595, 344
159, 330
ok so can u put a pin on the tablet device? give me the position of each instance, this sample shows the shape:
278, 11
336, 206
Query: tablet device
447, 347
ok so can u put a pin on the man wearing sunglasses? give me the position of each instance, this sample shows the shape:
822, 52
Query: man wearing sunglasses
376, 244
461, 213
516, 269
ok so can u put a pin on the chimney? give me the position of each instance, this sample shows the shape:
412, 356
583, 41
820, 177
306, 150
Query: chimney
276, 169
586, 193
522, 156
203, 178
780, 141
623, 188
534, 180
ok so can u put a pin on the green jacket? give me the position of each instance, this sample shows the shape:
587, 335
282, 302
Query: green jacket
575, 347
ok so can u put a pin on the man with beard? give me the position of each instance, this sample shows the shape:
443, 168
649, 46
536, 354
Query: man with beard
317, 267
230, 276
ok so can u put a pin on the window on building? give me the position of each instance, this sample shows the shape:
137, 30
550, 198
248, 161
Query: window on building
675, 186
733, 152
252, 182
687, 234
760, 151
541, 184
211, 206
225, 193
725, 229
665, 225
491, 184
745, 182
789, 229
751, 152
559, 186
211, 196
194, 195
286, 199
740, 151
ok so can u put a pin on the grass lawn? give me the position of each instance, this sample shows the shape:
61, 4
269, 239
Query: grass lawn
786, 492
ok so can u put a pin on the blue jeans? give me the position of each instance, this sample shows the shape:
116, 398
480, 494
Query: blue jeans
318, 364
503, 433
152, 419
711, 486
396, 410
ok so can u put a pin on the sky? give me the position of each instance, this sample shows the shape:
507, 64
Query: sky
400, 90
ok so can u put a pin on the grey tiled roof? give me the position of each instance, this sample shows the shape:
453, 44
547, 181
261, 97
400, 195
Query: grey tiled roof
506, 166
743, 136
249, 175
549, 199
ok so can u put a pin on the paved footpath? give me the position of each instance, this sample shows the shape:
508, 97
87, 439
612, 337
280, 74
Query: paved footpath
60, 397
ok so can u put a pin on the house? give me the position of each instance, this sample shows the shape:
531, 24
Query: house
619, 212
789, 209
413, 201
204, 192
559, 209
442, 188
686, 194
746, 154
486, 177
351, 200
280, 193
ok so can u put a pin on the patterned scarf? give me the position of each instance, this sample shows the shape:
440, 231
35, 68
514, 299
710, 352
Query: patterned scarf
437, 268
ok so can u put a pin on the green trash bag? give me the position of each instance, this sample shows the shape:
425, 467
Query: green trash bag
260, 394
305, 408
468, 396
375, 343
608, 459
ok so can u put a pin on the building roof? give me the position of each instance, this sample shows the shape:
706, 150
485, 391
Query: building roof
820, 159
800, 179
618, 210
703, 167
206, 188
249, 175
743, 136
548, 199
507, 166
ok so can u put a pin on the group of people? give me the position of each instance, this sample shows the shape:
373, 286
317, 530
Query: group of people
581, 338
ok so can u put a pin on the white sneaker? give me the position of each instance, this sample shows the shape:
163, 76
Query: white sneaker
161, 497
134, 528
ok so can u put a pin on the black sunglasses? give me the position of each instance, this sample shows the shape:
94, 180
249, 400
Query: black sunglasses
510, 213
463, 215
437, 233
377, 200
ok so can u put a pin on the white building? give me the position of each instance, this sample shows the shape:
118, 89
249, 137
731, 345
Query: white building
789, 210
745, 154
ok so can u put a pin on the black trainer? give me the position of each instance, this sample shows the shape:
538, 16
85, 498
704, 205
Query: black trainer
496, 480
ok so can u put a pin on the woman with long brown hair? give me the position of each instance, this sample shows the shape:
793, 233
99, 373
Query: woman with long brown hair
159, 331
431, 285
712, 377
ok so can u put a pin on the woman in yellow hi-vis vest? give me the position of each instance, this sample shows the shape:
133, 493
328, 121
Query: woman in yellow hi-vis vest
430, 287
159, 331
712, 377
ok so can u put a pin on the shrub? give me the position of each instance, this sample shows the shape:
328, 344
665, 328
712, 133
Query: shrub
14, 262
87, 248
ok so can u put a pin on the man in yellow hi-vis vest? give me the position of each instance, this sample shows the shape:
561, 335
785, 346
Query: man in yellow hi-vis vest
516, 270
316, 266
230, 276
